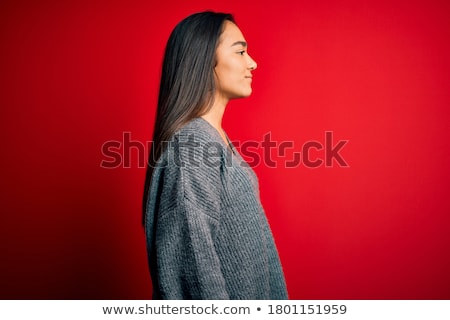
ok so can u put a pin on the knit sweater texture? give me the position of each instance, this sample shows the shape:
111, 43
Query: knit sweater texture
207, 234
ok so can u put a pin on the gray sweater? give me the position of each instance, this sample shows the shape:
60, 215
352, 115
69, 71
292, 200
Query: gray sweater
207, 233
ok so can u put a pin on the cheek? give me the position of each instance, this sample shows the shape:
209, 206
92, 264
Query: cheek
230, 70
232, 64
225, 74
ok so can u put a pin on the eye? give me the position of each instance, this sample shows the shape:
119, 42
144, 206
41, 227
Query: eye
241, 52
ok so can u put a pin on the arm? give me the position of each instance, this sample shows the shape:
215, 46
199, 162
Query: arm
185, 263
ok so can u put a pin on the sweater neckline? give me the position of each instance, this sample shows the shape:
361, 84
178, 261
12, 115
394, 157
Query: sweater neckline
229, 145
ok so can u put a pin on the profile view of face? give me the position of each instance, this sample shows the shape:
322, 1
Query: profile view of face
233, 71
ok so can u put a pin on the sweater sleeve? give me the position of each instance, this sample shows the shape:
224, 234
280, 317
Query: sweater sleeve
186, 262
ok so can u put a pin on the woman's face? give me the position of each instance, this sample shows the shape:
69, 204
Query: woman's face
234, 65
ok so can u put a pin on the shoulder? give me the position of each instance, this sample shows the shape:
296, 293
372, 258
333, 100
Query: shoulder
196, 151
199, 130
191, 168
195, 142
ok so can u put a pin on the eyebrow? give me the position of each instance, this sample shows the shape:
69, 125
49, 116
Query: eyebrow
242, 43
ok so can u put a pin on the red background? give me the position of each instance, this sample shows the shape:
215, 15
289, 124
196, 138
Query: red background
75, 75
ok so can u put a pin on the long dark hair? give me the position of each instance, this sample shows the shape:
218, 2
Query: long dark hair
187, 83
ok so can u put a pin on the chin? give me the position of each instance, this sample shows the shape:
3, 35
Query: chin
242, 94
248, 93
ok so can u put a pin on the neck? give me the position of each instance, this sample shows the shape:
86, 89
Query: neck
215, 114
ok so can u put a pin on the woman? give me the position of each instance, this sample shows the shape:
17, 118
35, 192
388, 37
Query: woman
207, 234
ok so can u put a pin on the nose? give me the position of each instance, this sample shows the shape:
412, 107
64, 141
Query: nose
252, 65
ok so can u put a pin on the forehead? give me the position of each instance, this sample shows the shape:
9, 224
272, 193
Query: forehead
231, 34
